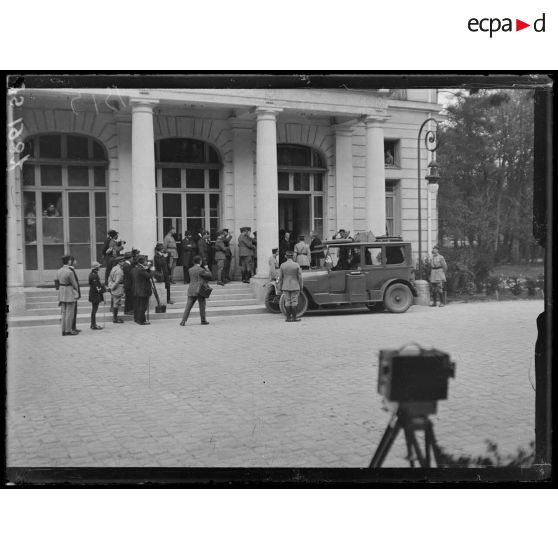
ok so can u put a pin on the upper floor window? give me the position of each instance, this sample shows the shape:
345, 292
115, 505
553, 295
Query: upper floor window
301, 169
391, 153
182, 150
187, 164
64, 160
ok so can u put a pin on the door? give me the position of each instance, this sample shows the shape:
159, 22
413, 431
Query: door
294, 215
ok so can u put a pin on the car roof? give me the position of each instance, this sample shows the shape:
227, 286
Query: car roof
344, 241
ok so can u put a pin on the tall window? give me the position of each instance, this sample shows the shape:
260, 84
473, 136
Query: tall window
393, 221
301, 170
188, 186
391, 153
64, 200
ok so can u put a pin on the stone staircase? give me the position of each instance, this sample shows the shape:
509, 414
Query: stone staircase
41, 305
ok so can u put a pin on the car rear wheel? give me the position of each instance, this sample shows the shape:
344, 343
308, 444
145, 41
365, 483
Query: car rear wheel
272, 300
301, 307
398, 298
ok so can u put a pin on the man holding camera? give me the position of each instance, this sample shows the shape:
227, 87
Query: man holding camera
111, 250
142, 275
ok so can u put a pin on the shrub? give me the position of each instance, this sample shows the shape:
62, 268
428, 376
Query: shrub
493, 458
492, 284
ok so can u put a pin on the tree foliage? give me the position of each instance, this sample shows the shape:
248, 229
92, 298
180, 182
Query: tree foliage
486, 152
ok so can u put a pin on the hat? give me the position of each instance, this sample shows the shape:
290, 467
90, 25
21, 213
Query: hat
159, 246
95, 265
112, 233
118, 259
127, 255
289, 253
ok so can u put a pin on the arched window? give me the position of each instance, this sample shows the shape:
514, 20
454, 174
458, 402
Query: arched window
64, 184
188, 186
301, 179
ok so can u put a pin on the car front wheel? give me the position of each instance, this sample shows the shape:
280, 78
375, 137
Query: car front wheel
301, 307
398, 298
272, 300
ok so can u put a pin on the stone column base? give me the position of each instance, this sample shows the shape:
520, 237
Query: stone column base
423, 290
258, 286
15, 300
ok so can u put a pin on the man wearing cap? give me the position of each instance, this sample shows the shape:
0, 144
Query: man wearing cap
204, 248
220, 256
227, 237
169, 245
72, 266
111, 250
96, 290
129, 262
189, 250
273, 264
245, 253
67, 295
290, 284
142, 289
116, 287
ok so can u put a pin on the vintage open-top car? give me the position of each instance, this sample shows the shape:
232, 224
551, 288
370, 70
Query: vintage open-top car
377, 274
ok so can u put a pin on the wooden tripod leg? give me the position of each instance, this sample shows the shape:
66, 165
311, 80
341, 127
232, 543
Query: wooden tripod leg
413, 442
431, 443
386, 442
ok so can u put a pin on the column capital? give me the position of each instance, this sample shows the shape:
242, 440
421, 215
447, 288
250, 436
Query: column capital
143, 105
376, 120
342, 129
238, 123
264, 113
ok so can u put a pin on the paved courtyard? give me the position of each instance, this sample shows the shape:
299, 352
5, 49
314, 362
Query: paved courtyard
254, 391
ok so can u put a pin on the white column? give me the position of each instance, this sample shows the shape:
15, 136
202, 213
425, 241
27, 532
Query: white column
121, 195
267, 205
144, 212
344, 176
375, 175
14, 269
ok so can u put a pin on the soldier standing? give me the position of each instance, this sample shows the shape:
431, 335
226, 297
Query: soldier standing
189, 250
438, 269
290, 283
228, 256
245, 253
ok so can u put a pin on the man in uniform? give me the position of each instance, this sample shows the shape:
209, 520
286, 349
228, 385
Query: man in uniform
438, 268
227, 237
142, 290
220, 257
290, 284
67, 295
72, 266
245, 253
111, 250
189, 250
116, 288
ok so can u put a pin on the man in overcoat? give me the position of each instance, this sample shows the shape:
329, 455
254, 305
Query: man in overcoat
142, 289
220, 257
96, 290
438, 269
189, 250
116, 287
199, 276
67, 295
245, 253
290, 283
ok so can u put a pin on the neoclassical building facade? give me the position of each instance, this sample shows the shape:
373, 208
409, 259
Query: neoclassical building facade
142, 161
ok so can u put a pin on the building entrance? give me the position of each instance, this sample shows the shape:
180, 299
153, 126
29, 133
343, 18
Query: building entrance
294, 215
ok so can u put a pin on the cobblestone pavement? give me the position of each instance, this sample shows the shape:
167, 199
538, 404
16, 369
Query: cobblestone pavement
254, 391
